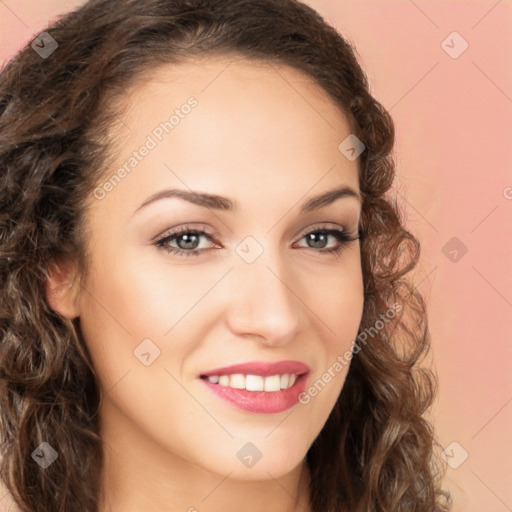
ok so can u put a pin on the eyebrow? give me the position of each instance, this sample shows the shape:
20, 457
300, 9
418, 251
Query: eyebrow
222, 203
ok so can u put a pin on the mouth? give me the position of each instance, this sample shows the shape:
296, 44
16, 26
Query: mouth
263, 388
249, 382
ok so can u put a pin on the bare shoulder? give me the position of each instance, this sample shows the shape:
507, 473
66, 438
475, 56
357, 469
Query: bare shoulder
8, 506
6, 502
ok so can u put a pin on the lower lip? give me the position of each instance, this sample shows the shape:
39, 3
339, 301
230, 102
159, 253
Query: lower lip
261, 402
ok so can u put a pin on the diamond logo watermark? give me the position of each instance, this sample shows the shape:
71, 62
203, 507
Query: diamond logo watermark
249, 455
146, 352
44, 45
44, 455
351, 147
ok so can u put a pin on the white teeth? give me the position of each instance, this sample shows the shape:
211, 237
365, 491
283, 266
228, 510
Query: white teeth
237, 381
272, 383
224, 380
254, 382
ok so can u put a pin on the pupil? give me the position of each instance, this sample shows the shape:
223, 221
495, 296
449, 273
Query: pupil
316, 237
189, 239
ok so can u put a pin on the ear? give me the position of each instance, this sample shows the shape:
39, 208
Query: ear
61, 288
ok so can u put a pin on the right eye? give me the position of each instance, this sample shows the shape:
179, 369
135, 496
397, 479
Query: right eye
188, 239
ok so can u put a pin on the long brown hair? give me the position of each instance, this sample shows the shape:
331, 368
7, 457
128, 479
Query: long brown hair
376, 450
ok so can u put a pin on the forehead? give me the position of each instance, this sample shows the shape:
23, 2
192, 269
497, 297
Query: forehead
253, 122
226, 85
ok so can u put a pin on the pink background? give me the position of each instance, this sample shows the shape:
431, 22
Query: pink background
454, 126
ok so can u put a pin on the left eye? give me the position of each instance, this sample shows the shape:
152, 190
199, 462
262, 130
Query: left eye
187, 241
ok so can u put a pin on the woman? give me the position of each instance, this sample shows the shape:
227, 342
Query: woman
275, 370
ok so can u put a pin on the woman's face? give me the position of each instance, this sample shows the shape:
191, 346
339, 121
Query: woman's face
248, 286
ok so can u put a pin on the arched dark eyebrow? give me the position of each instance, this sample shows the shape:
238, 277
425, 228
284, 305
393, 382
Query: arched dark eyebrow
217, 202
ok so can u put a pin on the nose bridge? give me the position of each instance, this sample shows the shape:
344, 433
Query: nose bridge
265, 301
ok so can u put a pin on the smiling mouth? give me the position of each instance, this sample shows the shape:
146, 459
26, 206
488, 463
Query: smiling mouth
260, 394
271, 383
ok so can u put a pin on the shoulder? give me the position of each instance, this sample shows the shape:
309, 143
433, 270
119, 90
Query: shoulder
6, 501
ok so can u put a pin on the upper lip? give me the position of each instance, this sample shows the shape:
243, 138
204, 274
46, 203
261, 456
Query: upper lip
264, 369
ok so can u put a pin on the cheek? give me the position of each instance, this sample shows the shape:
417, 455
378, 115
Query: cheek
122, 305
349, 298
337, 299
137, 303
124, 320
142, 296
343, 313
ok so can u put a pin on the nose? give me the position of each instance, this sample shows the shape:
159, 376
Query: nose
266, 302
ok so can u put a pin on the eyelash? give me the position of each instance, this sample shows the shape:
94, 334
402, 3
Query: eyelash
341, 236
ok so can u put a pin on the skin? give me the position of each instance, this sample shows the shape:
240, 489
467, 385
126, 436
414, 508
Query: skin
267, 137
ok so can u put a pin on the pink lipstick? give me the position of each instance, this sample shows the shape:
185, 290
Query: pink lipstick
259, 387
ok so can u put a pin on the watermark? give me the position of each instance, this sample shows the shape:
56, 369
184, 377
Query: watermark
454, 249
249, 455
146, 351
454, 45
454, 455
249, 249
342, 361
351, 147
44, 45
152, 140
44, 455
